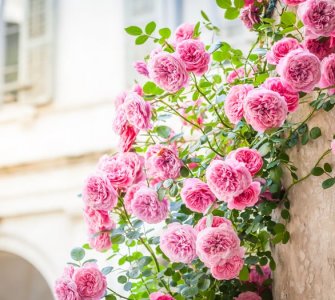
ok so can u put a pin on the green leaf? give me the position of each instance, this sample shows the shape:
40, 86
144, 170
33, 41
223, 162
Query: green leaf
203, 14
163, 131
264, 149
223, 3
133, 30
231, 13
251, 260
149, 87
239, 3
305, 138
127, 287
184, 171
327, 167
141, 39
106, 270
279, 227
285, 214
288, 18
244, 274
272, 265
317, 171
122, 279
278, 238
165, 32
110, 297
118, 239
286, 237
189, 291
328, 183
77, 254
315, 133
173, 190
203, 284
150, 28
133, 273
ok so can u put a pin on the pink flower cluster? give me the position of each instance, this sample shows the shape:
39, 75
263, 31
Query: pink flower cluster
160, 296
84, 283
132, 115
259, 279
231, 179
248, 296
170, 71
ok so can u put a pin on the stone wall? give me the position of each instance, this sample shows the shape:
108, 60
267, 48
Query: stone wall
306, 265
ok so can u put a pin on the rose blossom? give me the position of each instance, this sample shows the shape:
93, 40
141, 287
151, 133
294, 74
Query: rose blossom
162, 162
233, 104
66, 289
250, 15
122, 169
236, 74
332, 146
91, 283
98, 192
168, 72
184, 32
318, 17
129, 196
227, 178
98, 220
216, 243
291, 97
194, 56
264, 109
248, 296
228, 268
196, 195
321, 47
328, 73
257, 278
100, 241
178, 243
247, 198
138, 111
280, 49
128, 138
141, 68
293, 2
300, 69
160, 296
251, 158
217, 222
147, 207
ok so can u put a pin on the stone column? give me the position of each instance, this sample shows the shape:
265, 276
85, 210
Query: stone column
306, 265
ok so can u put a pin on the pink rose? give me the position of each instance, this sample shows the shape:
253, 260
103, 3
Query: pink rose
236, 74
318, 17
162, 162
184, 32
233, 104
248, 296
98, 192
98, 220
178, 243
194, 56
168, 72
291, 97
216, 243
227, 178
248, 2
300, 70
100, 241
128, 138
228, 268
247, 198
141, 68
264, 109
328, 73
196, 195
332, 146
147, 207
257, 278
160, 296
66, 289
293, 2
280, 49
138, 111
217, 222
321, 47
91, 283
250, 15
251, 158
138, 90
129, 196
122, 169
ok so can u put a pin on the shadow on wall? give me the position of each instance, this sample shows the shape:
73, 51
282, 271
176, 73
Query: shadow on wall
19, 280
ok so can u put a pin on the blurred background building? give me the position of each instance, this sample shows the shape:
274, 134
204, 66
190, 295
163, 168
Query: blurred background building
62, 62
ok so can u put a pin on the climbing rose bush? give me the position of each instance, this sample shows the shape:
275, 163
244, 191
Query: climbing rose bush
183, 209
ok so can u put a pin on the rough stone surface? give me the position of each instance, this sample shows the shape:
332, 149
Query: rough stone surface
306, 265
